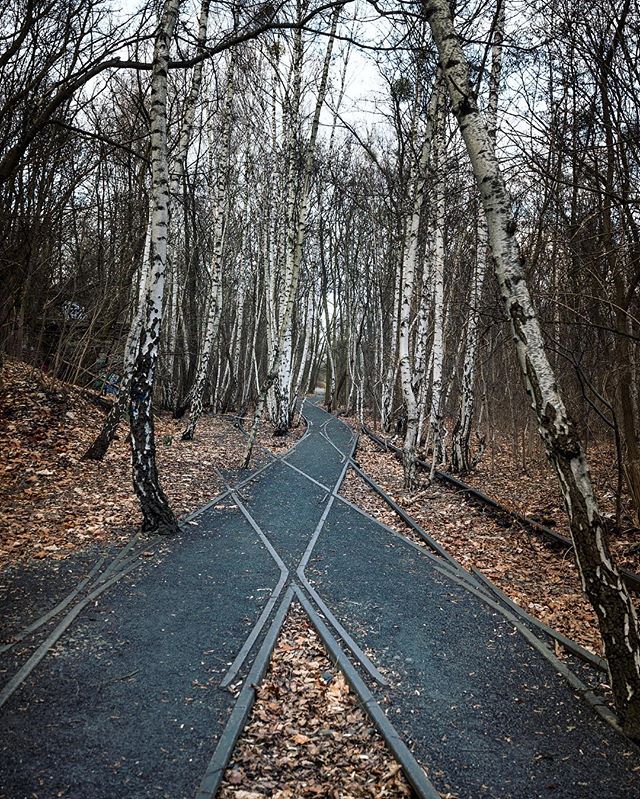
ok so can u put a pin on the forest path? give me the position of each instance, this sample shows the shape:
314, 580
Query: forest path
135, 699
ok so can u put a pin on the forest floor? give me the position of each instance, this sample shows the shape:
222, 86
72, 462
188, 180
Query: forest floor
542, 580
307, 735
532, 489
53, 503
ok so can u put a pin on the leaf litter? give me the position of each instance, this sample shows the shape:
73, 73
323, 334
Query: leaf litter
307, 736
541, 580
53, 503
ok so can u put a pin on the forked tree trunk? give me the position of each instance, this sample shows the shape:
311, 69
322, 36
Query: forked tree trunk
100, 445
600, 577
295, 244
157, 515
409, 264
105, 437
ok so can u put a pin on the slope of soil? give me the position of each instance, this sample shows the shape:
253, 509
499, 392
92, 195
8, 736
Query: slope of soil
529, 485
53, 503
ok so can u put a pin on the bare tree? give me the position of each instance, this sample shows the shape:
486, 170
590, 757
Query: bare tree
601, 579
157, 514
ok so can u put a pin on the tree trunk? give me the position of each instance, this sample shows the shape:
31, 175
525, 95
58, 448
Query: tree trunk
600, 577
107, 434
103, 440
178, 169
295, 244
389, 378
214, 312
407, 278
437, 361
461, 460
157, 515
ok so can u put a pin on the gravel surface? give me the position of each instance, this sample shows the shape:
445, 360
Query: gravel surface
487, 715
128, 703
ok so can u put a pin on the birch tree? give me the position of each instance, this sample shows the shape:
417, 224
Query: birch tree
437, 356
178, 170
600, 577
100, 445
461, 444
407, 279
296, 232
107, 433
214, 312
157, 514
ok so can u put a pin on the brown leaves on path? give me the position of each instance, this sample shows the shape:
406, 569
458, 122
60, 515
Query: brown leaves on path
307, 737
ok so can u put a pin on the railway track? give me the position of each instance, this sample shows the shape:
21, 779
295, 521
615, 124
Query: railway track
631, 579
293, 586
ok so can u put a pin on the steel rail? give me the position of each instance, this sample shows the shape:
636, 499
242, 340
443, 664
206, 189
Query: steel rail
51, 614
571, 646
21, 675
104, 581
519, 620
240, 658
408, 520
246, 699
333, 495
412, 769
631, 579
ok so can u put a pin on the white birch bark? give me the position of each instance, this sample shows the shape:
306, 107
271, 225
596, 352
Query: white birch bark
157, 515
420, 354
295, 244
437, 361
243, 271
214, 311
461, 460
331, 377
296, 215
354, 332
407, 279
309, 326
600, 577
177, 172
251, 369
238, 340
102, 442
380, 344
280, 192
100, 445
410, 377
360, 389
389, 379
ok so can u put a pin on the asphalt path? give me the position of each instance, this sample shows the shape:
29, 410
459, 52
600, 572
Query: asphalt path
146, 692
